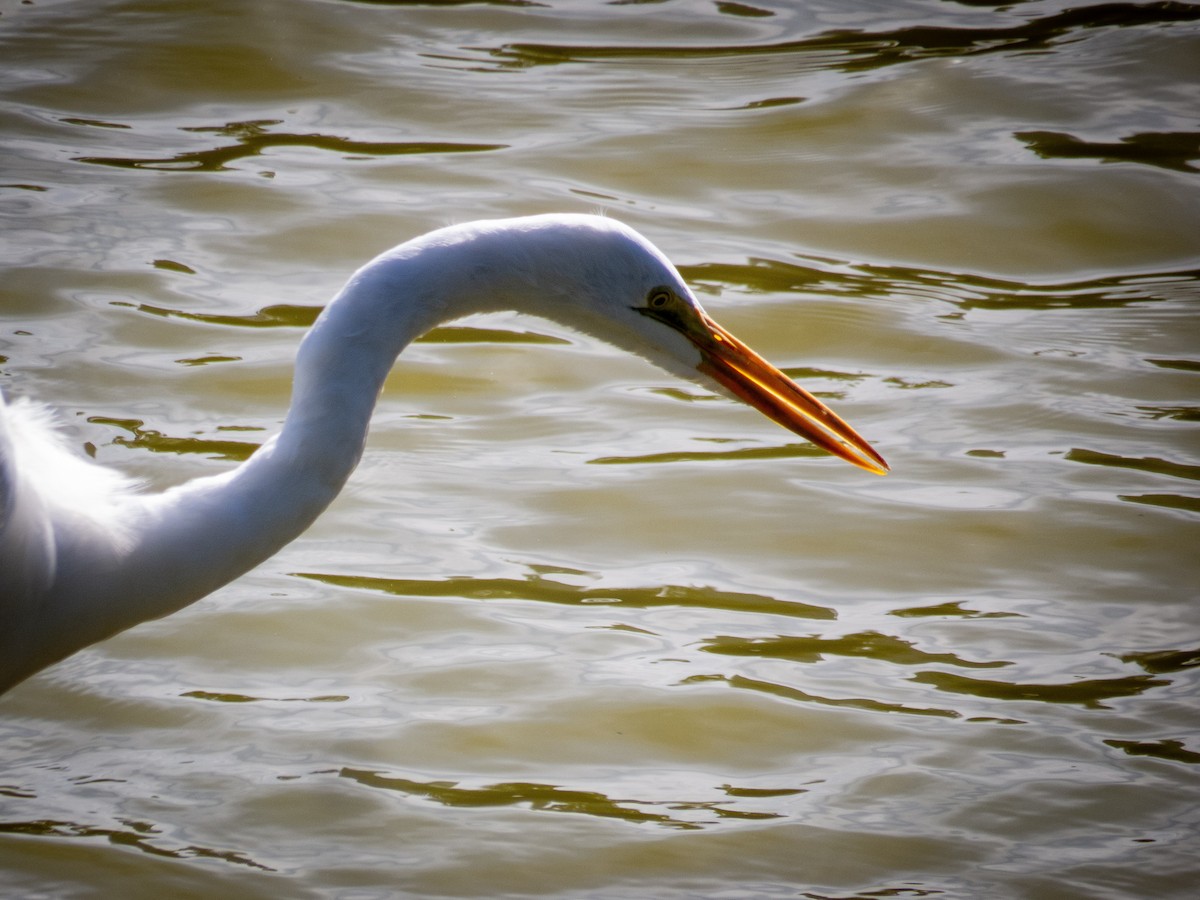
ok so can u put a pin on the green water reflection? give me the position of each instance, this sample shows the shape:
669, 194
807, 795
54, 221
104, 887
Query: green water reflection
857, 50
545, 590
555, 799
254, 138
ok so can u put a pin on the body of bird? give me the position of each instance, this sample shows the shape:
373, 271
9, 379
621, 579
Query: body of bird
85, 555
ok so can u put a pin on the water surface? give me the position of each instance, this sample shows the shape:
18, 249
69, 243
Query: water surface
576, 629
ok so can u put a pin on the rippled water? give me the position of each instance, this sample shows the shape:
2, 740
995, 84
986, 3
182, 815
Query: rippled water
575, 629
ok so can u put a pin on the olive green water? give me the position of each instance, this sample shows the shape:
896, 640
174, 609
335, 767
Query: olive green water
577, 630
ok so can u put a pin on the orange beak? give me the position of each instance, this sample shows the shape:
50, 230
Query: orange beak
751, 378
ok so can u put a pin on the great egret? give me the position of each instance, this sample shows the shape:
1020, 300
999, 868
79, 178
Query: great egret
84, 555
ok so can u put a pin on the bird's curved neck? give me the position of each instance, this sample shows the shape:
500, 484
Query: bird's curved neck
173, 548
152, 555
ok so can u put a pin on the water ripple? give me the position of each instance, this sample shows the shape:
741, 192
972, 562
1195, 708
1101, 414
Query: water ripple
1087, 692
545, 590
853, 50
136, 835
1170, 150
253, 139
556, 799
794, 694
814, 648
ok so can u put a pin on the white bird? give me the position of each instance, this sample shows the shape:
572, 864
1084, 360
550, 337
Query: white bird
85, 555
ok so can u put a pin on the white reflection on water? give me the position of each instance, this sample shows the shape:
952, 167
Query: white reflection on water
575, 629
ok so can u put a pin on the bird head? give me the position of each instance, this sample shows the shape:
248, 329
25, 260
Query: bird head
611, 282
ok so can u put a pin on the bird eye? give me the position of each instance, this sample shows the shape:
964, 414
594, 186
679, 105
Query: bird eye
659, 298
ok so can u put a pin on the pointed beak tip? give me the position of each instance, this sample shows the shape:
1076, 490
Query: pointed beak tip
861, 456
874, 463
752, 379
